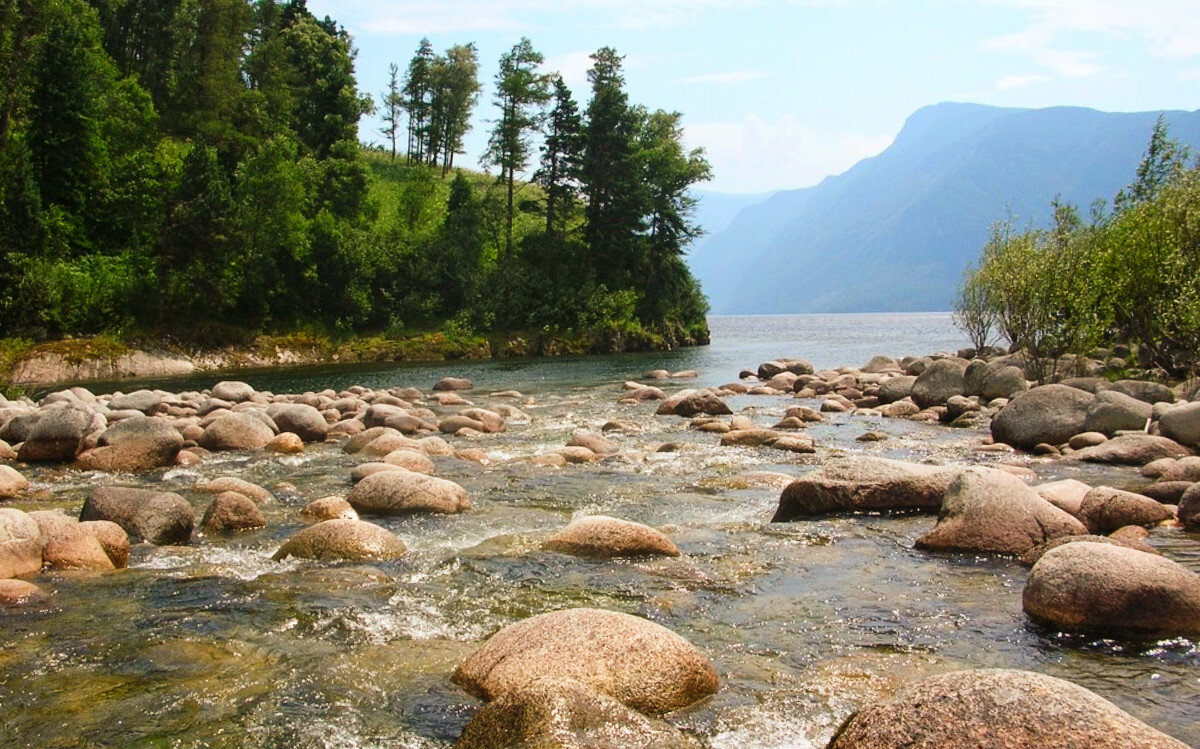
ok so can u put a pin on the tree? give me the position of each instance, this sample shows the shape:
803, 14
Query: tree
611, 175
520, 92
973, 312
1164, 159
392, 105
417, 87
456, 93
561, 154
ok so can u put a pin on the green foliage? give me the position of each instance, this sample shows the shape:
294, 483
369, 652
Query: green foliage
1130, 277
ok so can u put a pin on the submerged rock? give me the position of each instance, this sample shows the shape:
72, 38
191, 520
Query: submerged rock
1090, 587
19, 592
1000, 708
327, 508
231, 511
639, 663
601, 536
342, 540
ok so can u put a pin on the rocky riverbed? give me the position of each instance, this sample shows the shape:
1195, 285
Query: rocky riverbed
634, 563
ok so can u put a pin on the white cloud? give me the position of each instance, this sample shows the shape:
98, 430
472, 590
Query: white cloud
736, 76
1038, 42
573, 67
756, 155
1011, 82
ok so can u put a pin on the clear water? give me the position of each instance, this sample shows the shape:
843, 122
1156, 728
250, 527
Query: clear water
216, 645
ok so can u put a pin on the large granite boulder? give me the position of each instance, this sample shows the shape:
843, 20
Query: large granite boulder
236, 431
1088, 587
59, 434
140, 443
1000, 709
939, 382
342, 540
304, 421
231, 511
232, 391
12, 483
693, 403
602, 537
1105, 509
1114, 411
74, 547
1132, 450
561, 713
865, 485
401, 492
1182, 424
159, 518
639, 663
1051, 414
989, 510
896, 388
21, 544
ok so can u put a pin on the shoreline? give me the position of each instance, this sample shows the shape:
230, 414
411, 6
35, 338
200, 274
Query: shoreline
104, 359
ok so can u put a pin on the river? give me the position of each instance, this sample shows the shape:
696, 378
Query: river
215, 644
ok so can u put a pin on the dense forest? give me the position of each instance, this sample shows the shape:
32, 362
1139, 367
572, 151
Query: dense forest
1126, 275
195, 165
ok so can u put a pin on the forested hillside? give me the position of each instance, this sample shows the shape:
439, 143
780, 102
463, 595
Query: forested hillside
188, 167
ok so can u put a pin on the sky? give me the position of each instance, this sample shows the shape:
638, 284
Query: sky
782, 94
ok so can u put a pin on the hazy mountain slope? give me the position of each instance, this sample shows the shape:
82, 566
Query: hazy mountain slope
895, 231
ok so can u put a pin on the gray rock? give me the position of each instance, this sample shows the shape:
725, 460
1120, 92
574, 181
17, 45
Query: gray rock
1182, 424
231, 511
639, 663
999, 709
896, 388
1051, 414
597, 443
12, 483
1031, 557
603, 537
1067, 494
879, 364
692, 403
453, 383
1166, 492
1189, 508
1114, 411
145, 401
139, 443
939, 382
304, 421
864, 485
1088, 587
232, 391
60, 434
160, 518
236, 431
1148, 392
1003, 382
988, 510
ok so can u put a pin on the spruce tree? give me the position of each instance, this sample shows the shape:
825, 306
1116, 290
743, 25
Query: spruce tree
561, 153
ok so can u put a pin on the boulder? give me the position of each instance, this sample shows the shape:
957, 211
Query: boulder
410, 460
692, 403
564, 714
401, 492
60, 434
342, 540
1114, 411
940, 380
1182, 424
452, 424
160, 518
492, 422
997, 708
1132, 450
304, 421
1087, 439
1189, 508
1090, 587
12, 483
1184, 469
986, 510
19, 592
113, 539
21, 544
639, 663
1031, 557
327, 508
232, 391
453, 383
1003, 382
600, 536
236, 431
73, 547
140, 443
1051, 414
18, 426
1166, 492
232, 484
285, 443
231, 511
896, 388
749, 438
880, 363
1067, 495
145, 401
596, 443
1144, 390
864, 485
1105, 509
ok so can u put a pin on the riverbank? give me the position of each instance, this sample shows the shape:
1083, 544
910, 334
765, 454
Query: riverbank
24, 364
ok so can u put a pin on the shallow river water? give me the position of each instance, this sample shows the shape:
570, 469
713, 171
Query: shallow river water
216, 645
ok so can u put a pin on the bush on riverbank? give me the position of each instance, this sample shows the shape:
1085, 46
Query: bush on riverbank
1125, 277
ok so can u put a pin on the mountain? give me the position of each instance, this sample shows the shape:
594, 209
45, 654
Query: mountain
716, 210
894, 232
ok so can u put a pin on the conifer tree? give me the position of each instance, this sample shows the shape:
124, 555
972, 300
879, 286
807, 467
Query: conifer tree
561, 152
392, 107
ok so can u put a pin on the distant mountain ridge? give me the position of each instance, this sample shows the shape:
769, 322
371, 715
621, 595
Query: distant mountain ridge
894, 232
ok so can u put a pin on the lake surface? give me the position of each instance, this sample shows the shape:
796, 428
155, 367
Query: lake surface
214, 644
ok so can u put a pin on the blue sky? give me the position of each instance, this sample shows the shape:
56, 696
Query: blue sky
782, 94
